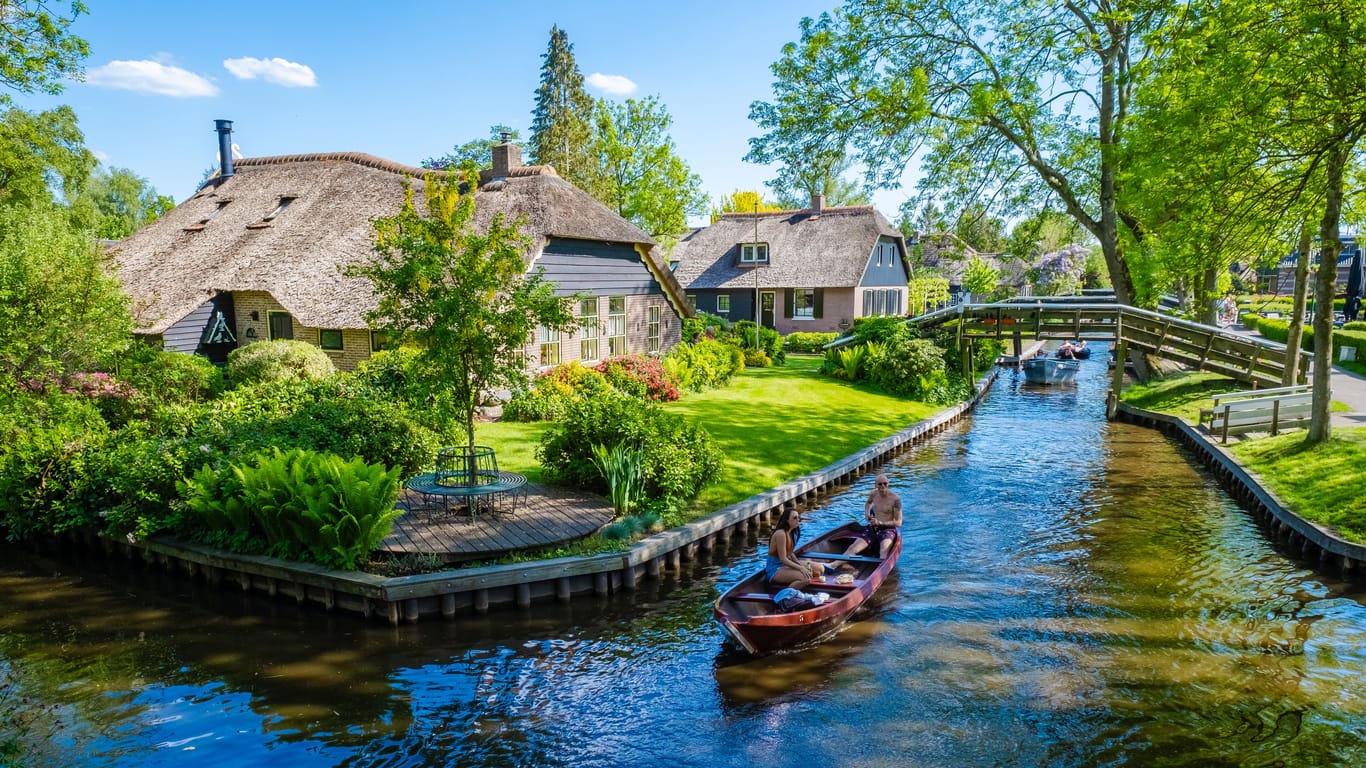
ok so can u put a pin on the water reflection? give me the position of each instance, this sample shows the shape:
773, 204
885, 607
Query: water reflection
1071, 592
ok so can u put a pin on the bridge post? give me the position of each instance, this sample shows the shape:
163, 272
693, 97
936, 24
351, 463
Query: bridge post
1116, 378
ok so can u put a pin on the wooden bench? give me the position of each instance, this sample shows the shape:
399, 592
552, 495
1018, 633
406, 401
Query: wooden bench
840, 556
1236, 413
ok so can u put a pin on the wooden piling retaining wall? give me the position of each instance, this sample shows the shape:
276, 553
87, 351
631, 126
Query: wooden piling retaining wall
448, 594
1293, 534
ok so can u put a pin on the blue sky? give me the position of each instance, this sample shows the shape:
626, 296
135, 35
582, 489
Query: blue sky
413, 79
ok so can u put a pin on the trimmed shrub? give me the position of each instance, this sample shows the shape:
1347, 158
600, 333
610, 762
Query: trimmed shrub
677, 458
906, 366
167, 378
280, 360
808, 342
757, 358
299, 505
641, 377
703, 365
770, 341
879, 328
695, 328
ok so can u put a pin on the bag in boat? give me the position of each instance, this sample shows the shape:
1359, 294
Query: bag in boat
789, 600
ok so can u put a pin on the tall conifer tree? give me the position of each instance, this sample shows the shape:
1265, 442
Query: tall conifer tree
561, 127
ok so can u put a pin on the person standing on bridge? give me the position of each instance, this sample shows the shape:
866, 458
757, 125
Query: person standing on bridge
882, 513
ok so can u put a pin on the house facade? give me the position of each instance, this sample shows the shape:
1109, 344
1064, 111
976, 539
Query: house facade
259, 253
812, 270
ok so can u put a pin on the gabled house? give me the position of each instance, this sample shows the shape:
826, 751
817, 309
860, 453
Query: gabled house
257, 253
811, 270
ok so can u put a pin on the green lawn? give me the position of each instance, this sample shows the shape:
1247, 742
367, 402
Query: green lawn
1183, 394
1322, 483
773, 424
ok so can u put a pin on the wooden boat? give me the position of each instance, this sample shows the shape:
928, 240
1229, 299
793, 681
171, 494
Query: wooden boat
1050, 370
749, 614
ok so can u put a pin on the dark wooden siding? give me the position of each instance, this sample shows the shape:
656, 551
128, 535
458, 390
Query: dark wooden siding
187, 334
741, 303
596, 269
892, 272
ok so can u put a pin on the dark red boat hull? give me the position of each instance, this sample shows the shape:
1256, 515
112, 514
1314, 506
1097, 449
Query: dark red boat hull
771, 632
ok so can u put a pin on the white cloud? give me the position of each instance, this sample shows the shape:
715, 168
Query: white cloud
103, 157
277, 70
613, 84
150, 77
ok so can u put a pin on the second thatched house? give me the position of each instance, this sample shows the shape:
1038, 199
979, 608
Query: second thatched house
812, 270
257, 253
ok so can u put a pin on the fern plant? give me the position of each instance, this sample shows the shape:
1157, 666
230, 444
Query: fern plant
851, 361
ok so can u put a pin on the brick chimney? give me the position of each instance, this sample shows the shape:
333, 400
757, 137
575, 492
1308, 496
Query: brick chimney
817, 202
507, 157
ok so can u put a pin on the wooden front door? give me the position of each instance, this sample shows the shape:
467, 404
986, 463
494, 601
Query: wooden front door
766, 303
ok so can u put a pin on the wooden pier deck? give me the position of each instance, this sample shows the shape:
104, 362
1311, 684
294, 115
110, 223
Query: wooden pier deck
548, 516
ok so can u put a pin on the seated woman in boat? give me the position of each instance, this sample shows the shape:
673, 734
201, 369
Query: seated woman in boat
1067, 351
781, 567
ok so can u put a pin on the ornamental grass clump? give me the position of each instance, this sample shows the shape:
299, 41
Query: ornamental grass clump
298, 505
620, 465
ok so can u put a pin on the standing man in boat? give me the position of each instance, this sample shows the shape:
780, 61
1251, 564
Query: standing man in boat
882, 512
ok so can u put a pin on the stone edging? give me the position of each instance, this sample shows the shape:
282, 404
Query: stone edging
448, 593
1298, 534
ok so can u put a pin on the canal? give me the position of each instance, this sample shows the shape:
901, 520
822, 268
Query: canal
1071, 592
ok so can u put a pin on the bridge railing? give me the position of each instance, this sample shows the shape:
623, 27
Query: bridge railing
1250, 359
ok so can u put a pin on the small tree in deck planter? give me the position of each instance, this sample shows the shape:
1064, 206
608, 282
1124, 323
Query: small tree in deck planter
462, 295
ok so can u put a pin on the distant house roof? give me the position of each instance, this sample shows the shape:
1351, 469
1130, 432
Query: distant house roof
827, 248
948, 254
220, 240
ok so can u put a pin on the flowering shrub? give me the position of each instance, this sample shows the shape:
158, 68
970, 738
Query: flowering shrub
640, 376
97, 385
552, 391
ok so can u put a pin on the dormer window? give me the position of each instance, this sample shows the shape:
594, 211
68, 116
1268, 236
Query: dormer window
753, 253
221, 205
279, 209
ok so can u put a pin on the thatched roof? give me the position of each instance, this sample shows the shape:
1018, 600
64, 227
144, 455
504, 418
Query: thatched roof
829, 248
179, 261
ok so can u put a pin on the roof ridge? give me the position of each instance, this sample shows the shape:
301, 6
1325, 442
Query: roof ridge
378, 163
792, 211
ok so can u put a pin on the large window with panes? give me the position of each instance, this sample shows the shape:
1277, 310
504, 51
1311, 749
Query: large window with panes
723, 304
550, 346
616, 325
654, 330
803, 303
588, 327
753, 253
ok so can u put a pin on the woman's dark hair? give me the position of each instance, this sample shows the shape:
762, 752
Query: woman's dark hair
785, 523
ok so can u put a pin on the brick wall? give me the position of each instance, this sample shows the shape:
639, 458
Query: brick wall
355, 342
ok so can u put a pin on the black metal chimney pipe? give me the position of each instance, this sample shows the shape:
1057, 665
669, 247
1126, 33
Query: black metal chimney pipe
224, 128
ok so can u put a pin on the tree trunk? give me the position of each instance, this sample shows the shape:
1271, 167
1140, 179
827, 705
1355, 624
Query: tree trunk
1204, 297
1320, 428
1296, 331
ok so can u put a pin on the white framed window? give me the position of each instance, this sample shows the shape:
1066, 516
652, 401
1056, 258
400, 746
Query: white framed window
692, 301
723, 304
550, 346
753, 253
867, 303
894, 302
588, 324
654, 330
803, 303
881, 305
616, 325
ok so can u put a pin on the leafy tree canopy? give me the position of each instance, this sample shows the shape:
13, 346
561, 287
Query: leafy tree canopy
37, 50
116, 202
459, 293
639, 173
61, 306
801, 178
743, 201
41, 152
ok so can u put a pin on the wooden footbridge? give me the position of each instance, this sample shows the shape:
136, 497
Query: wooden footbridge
1252, 360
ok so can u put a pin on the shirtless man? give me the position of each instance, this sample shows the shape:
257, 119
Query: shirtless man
883, 513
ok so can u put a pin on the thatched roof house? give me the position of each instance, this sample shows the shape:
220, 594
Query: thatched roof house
258, 253
813, 270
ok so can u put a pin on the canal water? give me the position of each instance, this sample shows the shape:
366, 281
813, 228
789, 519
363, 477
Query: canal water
1071, 592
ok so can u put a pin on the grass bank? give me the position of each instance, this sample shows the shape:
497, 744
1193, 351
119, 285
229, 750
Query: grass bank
773, 424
